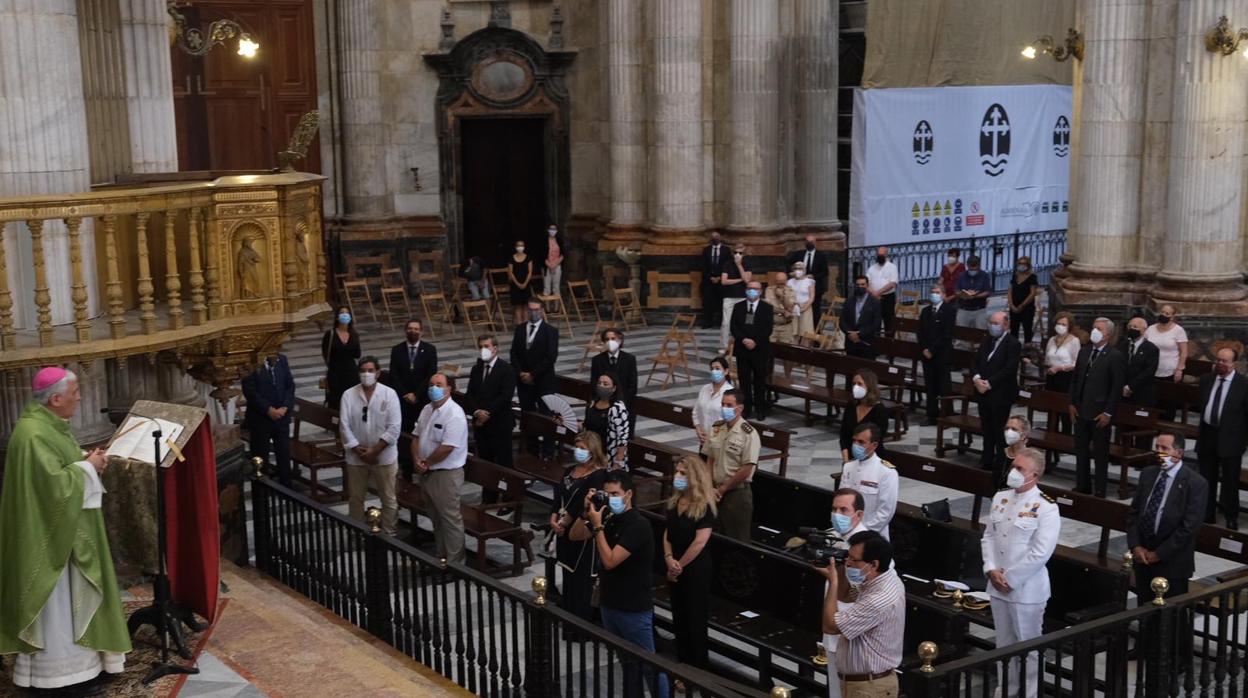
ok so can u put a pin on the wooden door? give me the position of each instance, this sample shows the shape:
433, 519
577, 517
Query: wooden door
235, 113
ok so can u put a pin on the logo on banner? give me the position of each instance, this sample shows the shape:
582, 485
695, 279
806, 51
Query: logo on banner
994, 141
1061, 137
974, 217
924, 142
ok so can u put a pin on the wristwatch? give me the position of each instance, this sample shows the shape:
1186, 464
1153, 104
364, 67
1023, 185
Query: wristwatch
599, 529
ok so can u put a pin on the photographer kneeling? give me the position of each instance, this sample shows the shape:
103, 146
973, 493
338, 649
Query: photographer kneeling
873, 628
625, 545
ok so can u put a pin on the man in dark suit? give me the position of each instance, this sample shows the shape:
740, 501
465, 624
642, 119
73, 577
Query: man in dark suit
860, 321
936, 323
1094, 394
996, 382
1223, 433
714, 256
816, 268
534, 351
619, 362
1164, 519
488, 406
751, 324
270, 395
1138, 386
412, 363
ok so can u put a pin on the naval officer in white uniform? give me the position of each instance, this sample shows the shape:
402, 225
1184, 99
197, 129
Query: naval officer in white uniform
873, 477
1022, 531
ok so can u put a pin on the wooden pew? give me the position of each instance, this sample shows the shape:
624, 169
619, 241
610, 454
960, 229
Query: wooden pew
972, 335
1182, 397
960, 360
892, 380
316, 454
480, 520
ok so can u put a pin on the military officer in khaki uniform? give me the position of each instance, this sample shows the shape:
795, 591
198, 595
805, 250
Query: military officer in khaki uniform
733, 453
1022, 532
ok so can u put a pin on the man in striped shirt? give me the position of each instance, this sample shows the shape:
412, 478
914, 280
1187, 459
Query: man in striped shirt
873, 628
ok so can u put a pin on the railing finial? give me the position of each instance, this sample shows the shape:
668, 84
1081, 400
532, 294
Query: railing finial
374, 520
927, 652
539, 587
779, 692
1128, 560
1160, 585
257, 467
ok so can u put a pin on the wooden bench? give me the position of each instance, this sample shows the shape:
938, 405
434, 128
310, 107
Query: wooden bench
480, 520
533, 464
316, 454
961, 333
892, 380
959, 360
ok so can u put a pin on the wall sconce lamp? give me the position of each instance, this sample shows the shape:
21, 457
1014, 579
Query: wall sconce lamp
194, 42
1221, 40
1045, 45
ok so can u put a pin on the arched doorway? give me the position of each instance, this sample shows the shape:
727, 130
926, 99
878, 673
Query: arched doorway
503, 142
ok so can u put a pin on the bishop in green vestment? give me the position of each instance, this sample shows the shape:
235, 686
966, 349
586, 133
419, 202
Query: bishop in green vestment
60, 609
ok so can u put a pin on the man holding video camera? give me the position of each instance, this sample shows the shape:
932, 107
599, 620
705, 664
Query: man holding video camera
624, 543
847, 514
873, 628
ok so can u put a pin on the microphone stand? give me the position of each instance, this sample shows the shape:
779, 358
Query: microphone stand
162, 615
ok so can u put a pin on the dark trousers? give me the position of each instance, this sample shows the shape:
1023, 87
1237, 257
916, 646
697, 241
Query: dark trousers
636, 627
888, 311
712, 304
752, 365
936, 380
821, 288
279, 435
1024, 320
1221, 474
494, 445
1060, 383
691, 611
993, 416
860, 349
1091, 443
576, 592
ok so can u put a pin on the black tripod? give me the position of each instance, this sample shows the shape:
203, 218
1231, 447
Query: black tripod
164, 617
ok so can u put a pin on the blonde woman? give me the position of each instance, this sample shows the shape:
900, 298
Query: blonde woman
691, 515
804, 291
577, 557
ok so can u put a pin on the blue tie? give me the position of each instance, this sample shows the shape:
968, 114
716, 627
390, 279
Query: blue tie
1154, 502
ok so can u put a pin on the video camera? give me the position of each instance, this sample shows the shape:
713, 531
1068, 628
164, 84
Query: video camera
822, 547
600, 500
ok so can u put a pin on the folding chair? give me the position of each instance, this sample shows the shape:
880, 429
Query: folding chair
394, 293
556, 311
595, 345
501, 288
828, 317
584, 303
626, 304
672, 356
438, 309
479, 317
683, 330
339, 280
357, 296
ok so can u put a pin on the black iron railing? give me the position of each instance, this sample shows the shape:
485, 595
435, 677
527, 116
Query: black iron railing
918, 264
1192, 645
490, 638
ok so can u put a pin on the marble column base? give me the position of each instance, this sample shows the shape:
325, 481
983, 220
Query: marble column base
1084, 284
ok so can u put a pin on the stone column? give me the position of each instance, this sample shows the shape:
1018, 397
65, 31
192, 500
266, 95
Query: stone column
676, 163
149, 90
626, 109
363, 131
1109, 145
754, 108
1203, 247
816, 27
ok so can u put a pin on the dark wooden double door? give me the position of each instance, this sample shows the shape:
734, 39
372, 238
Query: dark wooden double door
235, 113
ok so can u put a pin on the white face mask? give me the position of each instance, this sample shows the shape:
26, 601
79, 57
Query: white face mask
1095, 335
552, 232
1168, 462
859, 392
520, 250
951, 260
1061, 330
486, 354
1012, 437
368, 379
1015, 479
613, 345
798, 273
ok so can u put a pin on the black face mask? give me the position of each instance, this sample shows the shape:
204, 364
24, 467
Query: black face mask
413, 337
859, 291
880, 259
1163, 319
1133, 334
810, 245
602, 392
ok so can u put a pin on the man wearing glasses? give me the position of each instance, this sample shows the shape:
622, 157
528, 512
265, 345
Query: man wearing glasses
369, 418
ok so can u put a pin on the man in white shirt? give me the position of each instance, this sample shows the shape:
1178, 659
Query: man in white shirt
1022, 532
369, 420
439, 452
882, 280
873, 477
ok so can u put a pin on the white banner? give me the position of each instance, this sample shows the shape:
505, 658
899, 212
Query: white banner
942, 163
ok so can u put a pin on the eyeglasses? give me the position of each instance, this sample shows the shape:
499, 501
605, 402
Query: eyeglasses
364, 415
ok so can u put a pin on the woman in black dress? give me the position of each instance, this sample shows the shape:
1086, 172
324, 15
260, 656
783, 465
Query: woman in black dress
340, 348
1022, 300
865, 408
690, 517
519, 276
577, 558
607, 416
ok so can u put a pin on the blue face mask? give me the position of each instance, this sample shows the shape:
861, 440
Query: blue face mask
680, 482
855, 575
996, 330
936, 298
717, 376
436, 393
344, 318
841, 523
728, 413
616, 503
580, 454
858, 451
752, 294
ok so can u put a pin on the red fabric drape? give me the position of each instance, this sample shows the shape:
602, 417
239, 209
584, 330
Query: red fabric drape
194, 538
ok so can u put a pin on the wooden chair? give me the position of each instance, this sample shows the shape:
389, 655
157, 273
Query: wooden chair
339, 280
556, 311
683, 329
357, 297
595, 345
479, 316
672, 356
732, 364
828, 318
501, 288
583, 301
394, 295
627, 304
438, 309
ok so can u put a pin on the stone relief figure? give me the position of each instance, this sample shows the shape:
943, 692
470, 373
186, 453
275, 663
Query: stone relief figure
250, 283
301, 253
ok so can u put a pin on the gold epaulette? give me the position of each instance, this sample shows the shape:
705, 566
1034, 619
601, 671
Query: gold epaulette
887, 464
1047, 498
745, 427
718, 423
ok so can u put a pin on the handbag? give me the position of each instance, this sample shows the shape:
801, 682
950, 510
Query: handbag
938, 511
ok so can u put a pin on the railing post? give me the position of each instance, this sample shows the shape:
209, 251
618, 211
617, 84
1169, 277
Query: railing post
212, 273
8, 338
147, 304
1157, 634
43, 299
261, 525
112, 286
199, 310
82, 324
377, 581
173, 284
1084, 667
927, 685
539, 679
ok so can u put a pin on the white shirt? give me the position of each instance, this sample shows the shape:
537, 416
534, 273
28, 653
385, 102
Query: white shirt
1062, 356
445, 425
803, 289
1020, 537
531, 332
877, 482
1225, 383
1170, 474
706, 408
880, 276
385, 418
1167, 344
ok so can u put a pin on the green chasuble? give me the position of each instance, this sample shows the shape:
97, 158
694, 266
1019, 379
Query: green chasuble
42, 527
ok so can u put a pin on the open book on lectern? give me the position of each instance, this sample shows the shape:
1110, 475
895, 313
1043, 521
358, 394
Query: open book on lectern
134, 441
